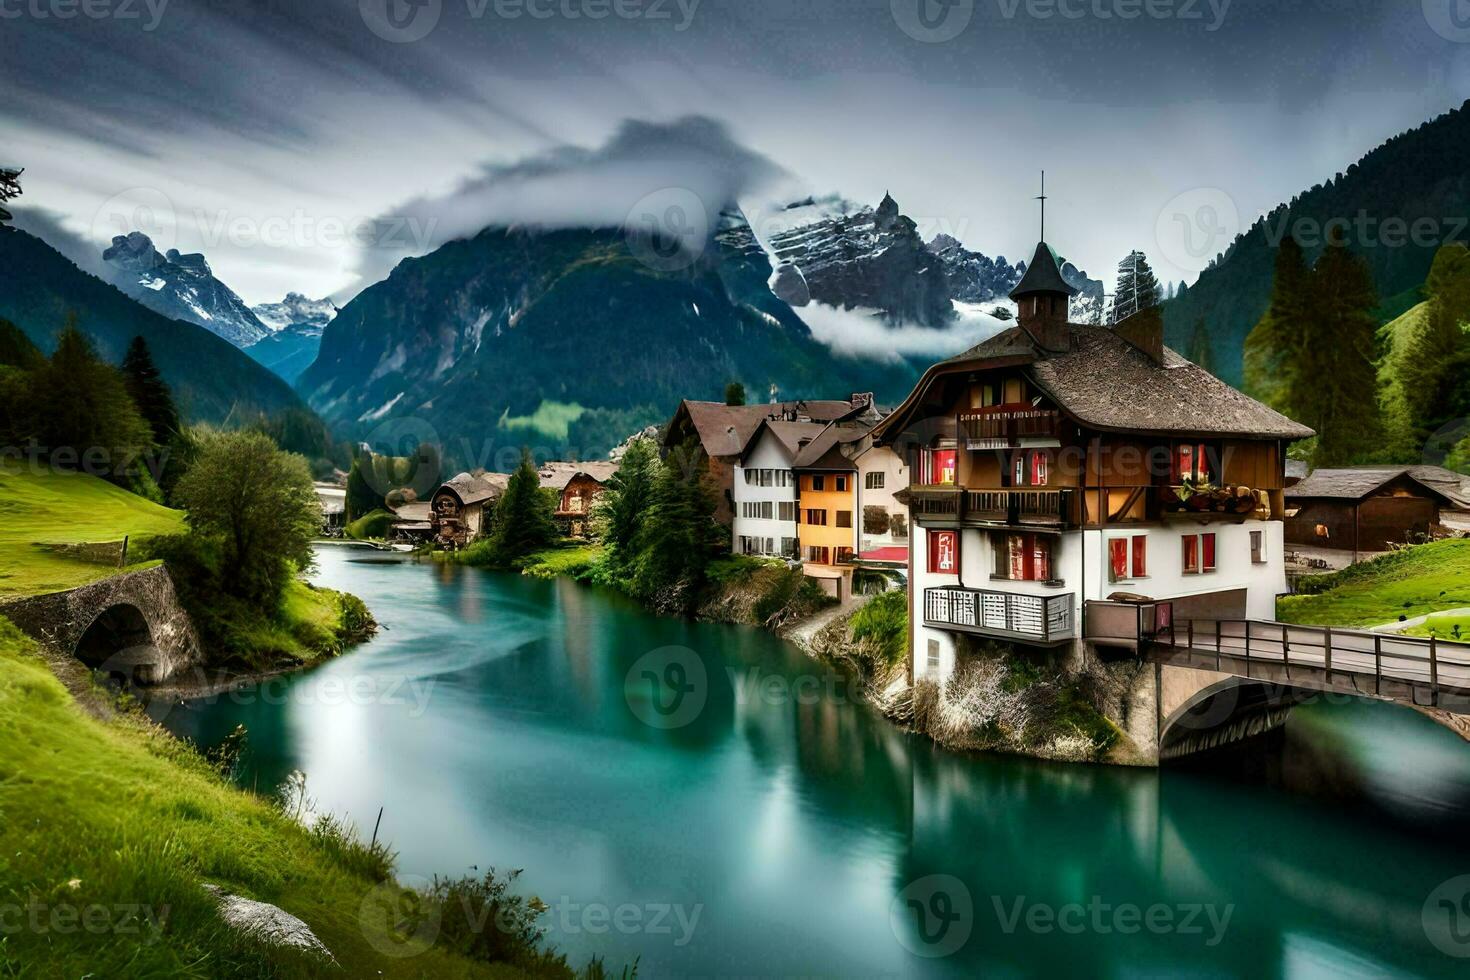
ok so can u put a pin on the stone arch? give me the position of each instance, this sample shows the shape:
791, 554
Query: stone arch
1227, 710
120, 641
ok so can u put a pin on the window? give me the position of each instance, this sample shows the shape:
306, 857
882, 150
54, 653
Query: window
841, 484
933, 655
817, 555
816, 517
873, 481
944, 552
1015, 391
1038, 469
786, 510
1199, 553
940, 466
819, 483
788, 547
1127, 558
1191, 462
760, 510
1023, 557
844, 555
750, 478
844, 518
1258, 547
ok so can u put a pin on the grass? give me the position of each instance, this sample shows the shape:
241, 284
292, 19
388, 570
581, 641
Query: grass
372, 525
120, 817
884, 622
1454, 628
41, 514
572, 560
314, 623
1400, 585
551, 419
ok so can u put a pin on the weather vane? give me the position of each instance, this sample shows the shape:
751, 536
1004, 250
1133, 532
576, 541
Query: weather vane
1042, 199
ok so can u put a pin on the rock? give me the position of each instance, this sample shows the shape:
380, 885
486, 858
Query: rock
791, 286
269, 924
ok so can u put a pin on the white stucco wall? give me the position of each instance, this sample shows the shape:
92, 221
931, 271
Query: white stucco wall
895, 477
767, 453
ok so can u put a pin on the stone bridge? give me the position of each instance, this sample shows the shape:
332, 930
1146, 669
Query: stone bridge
132, 626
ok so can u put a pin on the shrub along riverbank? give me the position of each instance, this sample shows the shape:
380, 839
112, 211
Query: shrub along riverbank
89, 888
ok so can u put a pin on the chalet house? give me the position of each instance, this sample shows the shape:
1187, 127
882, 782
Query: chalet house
1074, 484
461, 507
577, 487
723, 431
764, 491
1369, 508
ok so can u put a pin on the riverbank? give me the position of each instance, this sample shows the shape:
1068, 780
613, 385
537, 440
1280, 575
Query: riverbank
106, 892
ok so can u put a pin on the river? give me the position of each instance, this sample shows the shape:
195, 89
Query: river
756, 821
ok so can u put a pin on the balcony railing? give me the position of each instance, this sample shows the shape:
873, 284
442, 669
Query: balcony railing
1003, 615
992, 428
1013, 508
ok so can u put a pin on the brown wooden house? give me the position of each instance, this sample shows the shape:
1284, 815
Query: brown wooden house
1369, 508
459, 509
577, 486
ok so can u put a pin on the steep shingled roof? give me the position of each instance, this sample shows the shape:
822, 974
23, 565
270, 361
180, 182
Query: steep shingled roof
1357, 482
725, 429
1106, 382
473, 488
1043, 275
556, 475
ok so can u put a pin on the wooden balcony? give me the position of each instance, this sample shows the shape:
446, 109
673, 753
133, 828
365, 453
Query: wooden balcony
947, 506
1033, 619
999, 428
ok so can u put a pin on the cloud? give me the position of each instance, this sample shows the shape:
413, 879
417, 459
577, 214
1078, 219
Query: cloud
862, 334
642, 170
47, 226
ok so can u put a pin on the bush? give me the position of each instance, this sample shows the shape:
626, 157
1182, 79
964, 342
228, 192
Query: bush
371, 526
884, 623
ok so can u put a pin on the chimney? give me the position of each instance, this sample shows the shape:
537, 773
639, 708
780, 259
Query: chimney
1144, 330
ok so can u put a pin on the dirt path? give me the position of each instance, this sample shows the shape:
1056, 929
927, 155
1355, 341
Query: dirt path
803, 632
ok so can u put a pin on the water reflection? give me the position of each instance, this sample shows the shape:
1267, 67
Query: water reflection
791, 817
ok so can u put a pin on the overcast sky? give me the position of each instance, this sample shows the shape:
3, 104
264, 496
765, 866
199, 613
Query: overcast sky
269, 133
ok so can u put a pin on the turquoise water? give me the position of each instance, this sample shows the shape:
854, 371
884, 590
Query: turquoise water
756, 821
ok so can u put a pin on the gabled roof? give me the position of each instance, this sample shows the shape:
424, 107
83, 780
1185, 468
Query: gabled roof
791, 435
825, 451
1043, 275
725, 429
474, 488
1358, 482
556, 475
1108, 384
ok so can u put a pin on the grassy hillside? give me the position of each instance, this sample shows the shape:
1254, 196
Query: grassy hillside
42, 513
120, 817
1399, 585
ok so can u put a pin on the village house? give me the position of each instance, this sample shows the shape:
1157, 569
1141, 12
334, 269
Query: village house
460, 509
1367, 509
1074, 484
577, 487
723, 431
764, 490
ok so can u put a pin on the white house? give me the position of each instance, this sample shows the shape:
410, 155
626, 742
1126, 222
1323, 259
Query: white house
765, 490
1077, 486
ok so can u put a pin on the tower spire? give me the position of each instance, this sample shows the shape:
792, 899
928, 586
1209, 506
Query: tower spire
1042, 199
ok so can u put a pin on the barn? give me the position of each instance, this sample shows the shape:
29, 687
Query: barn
1369, 508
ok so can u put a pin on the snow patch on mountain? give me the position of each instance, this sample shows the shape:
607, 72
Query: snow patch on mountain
181, 287
295, 309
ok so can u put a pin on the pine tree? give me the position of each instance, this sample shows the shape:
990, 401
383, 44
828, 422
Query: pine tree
1424, 374
624, 503
1272, 347
9, 190
1334, 381
1138, 288
364, 494
525, 519
1201, 349
734, 393
84, 415
680, 536
150, 394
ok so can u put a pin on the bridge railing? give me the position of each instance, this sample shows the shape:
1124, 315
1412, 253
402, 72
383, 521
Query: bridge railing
1386, 657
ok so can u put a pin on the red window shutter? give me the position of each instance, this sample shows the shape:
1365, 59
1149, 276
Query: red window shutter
1038, 469
943, 552
1040, 559
1191, 553
1140, 556
1118, 558
1184, 464
1207, 545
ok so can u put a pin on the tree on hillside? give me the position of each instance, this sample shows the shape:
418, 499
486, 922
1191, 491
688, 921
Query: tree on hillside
150, 394
9, 190
1138, 288
624, 503
258, 503
1273, 347
525, 519
680, 535
84, 416
1201, 351
16, 349
1335, 390
734, 393
1426, 372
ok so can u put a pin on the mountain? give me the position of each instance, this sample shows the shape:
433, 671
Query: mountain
975, 278
211, 379
296, 324
868, 258
568, 340
1422, 176
181, 287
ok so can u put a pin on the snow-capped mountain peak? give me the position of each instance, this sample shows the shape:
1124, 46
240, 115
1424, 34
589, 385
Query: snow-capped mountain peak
182, 287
